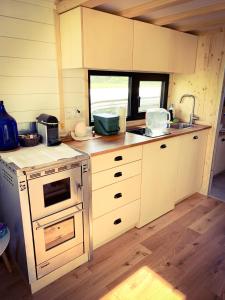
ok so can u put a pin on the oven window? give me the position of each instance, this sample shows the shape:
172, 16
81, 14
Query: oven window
57, 191
59, 233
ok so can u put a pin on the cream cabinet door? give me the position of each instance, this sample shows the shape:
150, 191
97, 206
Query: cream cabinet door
159, 179
161, 49
152, 48
191, 164
184, 53
107, 41
96, 40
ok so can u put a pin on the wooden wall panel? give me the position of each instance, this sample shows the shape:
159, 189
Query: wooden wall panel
206, 84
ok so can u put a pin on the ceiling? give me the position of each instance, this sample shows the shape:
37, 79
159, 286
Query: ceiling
195, 16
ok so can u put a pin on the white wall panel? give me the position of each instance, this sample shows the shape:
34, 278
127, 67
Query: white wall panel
30, 116
44, 3
11, 47
29, 102
27, 85
27, 67
10, 27
26, 11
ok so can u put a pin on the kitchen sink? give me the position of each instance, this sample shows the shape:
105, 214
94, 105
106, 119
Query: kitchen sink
140, 131
180, 125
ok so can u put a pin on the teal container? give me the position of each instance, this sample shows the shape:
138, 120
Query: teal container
106, 124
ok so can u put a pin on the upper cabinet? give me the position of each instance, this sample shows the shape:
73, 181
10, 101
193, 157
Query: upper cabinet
96, 40
160, 49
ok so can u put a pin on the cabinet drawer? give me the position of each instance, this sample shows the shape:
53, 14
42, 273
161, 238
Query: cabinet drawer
115, 223
115, 158
104, 178
116, 195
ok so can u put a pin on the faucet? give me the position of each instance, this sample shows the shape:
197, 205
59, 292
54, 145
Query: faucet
193, 117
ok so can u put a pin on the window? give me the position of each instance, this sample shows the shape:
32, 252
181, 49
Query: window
136, 91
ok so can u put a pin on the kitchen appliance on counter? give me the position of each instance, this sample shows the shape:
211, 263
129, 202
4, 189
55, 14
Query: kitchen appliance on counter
8, 130
47, 209
157, 120
47, 127
106, 123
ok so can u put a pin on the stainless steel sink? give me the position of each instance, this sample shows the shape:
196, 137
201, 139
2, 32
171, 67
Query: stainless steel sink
180, 125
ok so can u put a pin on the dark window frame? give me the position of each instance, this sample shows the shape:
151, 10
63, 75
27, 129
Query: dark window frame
134, 79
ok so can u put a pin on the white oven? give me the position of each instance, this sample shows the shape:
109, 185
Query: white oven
55, 235
51, 208
52, 191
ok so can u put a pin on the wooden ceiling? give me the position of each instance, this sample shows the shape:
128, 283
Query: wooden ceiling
196, 16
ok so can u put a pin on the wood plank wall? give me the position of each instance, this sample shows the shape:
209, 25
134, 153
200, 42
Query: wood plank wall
28, 66
75, 83
206, 84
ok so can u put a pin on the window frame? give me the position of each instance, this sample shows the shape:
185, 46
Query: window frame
133, 90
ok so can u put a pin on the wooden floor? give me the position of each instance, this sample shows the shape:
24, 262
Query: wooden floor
179, 256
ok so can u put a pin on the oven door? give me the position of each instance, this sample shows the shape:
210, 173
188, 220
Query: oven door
57, 233
55, 192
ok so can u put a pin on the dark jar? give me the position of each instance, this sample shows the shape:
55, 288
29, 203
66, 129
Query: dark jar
8, 130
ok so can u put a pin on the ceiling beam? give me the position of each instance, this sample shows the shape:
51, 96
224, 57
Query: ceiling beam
65, 5
213, 29
201, 25
149, 6
189, 14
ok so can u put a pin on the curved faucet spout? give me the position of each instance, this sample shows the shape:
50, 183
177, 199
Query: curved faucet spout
192, 115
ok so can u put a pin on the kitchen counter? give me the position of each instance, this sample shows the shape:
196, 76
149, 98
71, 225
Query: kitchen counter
111, 143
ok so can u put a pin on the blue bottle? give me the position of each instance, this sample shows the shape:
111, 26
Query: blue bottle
8, 130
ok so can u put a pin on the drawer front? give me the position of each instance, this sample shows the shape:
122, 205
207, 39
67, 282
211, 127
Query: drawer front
116, 195
115, 158
115, 223
104, 178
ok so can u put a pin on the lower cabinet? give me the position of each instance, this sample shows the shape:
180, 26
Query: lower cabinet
219, 164
136, 193
115, 195
109, 226
172, 170
116, 192
159, 176
191, 159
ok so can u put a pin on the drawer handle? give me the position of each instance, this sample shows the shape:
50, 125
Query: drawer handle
163, 146
195, 137
118, 195
118, 174
118, 158
117, 221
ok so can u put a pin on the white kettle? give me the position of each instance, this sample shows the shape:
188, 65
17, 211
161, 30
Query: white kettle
157, 120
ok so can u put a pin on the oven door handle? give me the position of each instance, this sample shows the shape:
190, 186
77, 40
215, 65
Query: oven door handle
39, 226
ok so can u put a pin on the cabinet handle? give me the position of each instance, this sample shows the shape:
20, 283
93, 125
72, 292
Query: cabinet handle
118, 158
117, 221
118, 195
163, 146
118, 174
195, 137
223, 140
